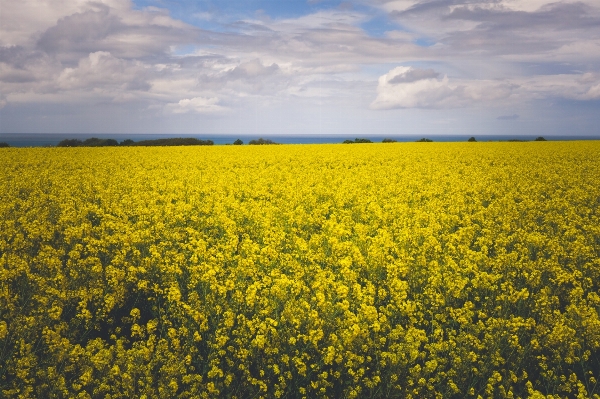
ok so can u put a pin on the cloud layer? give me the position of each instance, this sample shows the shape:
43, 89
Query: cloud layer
357, 65
407, 87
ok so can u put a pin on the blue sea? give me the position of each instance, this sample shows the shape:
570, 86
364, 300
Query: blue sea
52, 139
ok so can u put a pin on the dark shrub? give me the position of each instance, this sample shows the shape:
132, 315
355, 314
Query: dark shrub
472, 140
261, 141
174, 142
93, 142
70, 143
357, 140
389, 141
238, 142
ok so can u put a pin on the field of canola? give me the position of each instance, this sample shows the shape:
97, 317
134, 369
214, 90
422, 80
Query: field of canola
409, 270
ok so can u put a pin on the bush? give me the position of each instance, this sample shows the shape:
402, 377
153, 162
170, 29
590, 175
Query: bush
261, 141
96, 142
357, 140
472, 140
424, 140
174, 142
93, 142
238, 142
70, 143
4, 145
540, 139
389, 141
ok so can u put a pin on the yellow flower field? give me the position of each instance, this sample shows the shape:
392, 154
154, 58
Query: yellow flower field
407, 270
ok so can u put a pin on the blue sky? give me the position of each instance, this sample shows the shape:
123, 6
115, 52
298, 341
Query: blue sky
358, 67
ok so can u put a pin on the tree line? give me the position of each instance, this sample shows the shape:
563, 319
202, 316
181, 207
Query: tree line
96, 142
179, 141
182, 141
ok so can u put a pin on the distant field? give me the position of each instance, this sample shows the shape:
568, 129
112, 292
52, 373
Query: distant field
403, 270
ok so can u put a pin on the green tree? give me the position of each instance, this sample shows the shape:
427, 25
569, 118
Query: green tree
111, 142
93, 142
177, 141
238, 142
357, 140
261, 141
70, 143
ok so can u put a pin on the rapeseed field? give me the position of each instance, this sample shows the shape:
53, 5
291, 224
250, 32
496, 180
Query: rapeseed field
405, 270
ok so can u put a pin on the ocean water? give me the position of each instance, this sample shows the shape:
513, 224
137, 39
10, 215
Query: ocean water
52, 139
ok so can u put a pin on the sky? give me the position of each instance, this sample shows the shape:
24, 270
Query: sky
358, 67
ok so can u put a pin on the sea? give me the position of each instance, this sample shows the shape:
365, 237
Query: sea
52, 139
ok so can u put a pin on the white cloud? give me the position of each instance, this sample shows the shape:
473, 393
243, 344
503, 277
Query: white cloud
526, 5
24, 20
198, 105
593, 93
408, 87
580, 87
530, 30
102, 70
421, 93
253, 69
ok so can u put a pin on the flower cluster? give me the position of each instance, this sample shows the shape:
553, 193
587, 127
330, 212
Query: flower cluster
403, 270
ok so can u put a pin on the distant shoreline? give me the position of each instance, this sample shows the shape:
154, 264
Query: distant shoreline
53, 139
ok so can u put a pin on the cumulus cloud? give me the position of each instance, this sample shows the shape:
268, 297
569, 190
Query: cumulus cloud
395, 90
528, 29
81, 31
125, 33
252, 69
588, 86
23, 21
102, 70
593, 93
198, 105
576, 86
408, 87
412, 75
